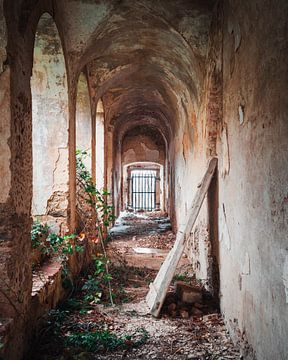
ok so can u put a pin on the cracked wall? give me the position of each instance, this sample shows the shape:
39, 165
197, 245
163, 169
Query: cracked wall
253, 174
50, 126
161, 67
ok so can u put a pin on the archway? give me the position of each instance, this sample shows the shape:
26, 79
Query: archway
83, 121
49, 127
99, 147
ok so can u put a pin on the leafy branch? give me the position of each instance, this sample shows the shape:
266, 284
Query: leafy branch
97, 202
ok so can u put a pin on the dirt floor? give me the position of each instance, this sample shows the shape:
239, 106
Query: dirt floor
88, 327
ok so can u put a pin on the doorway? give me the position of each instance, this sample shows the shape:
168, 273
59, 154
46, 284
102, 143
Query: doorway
143, 189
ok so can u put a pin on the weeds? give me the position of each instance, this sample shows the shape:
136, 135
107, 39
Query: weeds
38, 231
101, 212
97, 282
102, 341
52, 244
95, 198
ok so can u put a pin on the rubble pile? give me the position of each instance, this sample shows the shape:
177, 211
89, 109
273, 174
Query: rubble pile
187, 300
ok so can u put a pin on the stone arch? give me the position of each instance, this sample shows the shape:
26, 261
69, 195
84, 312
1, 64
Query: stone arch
49, 88
140, 142
100, 146
83, 120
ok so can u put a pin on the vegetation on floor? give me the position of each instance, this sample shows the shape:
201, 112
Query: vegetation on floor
79, 325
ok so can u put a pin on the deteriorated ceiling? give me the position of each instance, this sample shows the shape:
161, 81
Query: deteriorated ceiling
144, 58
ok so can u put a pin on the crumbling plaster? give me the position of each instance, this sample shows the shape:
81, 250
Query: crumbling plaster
84, 121
177, 88
50, 123
254, 238
143, 144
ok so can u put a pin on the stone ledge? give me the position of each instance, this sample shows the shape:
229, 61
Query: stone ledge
45, 276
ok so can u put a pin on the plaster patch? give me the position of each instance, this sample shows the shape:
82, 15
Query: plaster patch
225, 163
285, 277
129, 155
246, 265
60, 173
224, 234
153, 155
237, 36
241, 114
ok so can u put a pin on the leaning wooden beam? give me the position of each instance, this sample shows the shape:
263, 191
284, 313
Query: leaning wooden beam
158, 289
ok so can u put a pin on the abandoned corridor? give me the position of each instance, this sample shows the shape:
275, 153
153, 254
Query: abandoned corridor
110, 107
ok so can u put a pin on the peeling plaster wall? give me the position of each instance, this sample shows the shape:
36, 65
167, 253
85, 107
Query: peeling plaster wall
80, 18
140, 146
15, 204
5, 154
50, 123
251, 242
195, 144
253, 175
83, 121
155, 59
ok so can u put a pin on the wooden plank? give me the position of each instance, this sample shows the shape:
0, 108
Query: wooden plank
158, 289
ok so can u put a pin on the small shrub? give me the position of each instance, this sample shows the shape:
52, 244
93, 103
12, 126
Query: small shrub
98, 282
38, 231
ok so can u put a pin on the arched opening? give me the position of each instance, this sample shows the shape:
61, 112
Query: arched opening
142, 150
49, 127
84, 143
83, 121
99, 147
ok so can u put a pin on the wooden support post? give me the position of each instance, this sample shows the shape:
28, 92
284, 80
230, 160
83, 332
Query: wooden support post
158, 289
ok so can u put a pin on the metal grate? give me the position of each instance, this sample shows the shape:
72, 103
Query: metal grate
143, 190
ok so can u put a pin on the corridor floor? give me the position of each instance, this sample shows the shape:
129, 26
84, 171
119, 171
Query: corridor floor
134, 258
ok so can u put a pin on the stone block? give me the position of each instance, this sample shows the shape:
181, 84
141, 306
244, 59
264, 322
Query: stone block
187, 293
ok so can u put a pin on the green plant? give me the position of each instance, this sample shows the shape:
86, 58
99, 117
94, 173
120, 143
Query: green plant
59, 245
97, 201
55, 319
97, 282
54, 244
38, 230
96, 198
105, 341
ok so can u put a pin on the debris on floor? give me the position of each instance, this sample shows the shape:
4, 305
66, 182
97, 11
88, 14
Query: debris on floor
185, 300
154, 228
86, 327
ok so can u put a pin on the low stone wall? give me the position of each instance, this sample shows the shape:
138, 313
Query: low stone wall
49, 288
